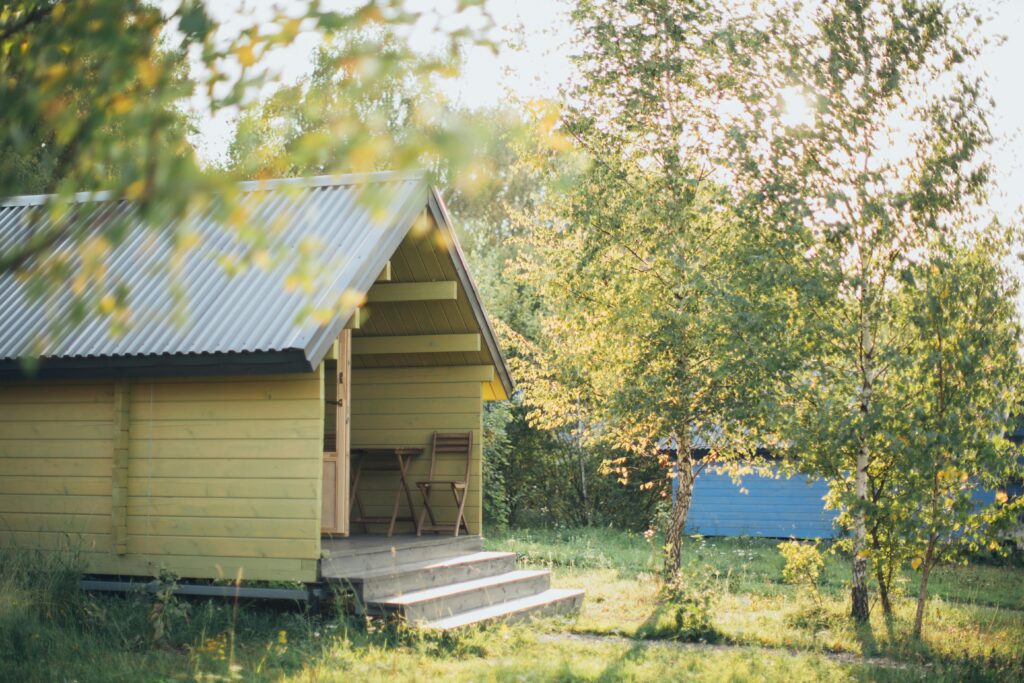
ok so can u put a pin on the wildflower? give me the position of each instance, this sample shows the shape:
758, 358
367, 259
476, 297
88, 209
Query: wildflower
649, 534
282, 637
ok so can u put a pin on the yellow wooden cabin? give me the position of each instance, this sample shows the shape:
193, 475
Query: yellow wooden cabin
213, 439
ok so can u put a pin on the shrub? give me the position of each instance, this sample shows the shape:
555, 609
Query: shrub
691, 601
804, 564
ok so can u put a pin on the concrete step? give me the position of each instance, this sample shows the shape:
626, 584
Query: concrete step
548, 603
414, 576
431, 604
379, 554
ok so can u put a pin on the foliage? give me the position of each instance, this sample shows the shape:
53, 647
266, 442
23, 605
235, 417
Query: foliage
497, 454
691, 600
104, 638
93, 95
840, 210
627, 257
803, 564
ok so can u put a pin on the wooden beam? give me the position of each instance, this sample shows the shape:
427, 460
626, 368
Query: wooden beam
413, 291
385, 275
119, 472
356, 321
423, 343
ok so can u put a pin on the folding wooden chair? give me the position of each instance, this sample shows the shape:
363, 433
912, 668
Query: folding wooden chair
446, 444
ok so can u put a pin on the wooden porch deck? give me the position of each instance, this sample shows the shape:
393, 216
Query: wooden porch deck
342, 558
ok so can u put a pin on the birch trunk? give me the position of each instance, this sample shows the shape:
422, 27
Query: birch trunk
922, 591
680, 508
859, 583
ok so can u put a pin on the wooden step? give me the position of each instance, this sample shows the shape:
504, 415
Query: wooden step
431, 604
551, 602
358, 555
414, 576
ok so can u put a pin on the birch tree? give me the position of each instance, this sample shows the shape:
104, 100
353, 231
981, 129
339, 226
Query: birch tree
629, 255
841, 204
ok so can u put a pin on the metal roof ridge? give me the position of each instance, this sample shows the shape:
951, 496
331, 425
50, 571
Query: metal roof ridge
330, 180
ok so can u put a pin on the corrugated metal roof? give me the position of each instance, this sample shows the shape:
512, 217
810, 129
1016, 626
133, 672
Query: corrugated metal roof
252, 312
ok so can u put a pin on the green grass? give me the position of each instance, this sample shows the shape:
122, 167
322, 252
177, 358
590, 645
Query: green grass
767, 630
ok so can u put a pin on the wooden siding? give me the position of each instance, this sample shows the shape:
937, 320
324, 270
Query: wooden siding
772, 508
222, 477
404, 407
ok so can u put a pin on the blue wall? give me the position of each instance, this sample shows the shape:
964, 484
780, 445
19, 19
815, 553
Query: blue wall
775, 508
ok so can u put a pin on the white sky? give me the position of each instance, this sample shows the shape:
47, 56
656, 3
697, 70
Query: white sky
541, 64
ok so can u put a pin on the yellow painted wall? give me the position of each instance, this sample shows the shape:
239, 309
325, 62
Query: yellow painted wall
404, 407
224, 474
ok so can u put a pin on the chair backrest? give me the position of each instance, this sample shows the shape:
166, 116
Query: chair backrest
452, 444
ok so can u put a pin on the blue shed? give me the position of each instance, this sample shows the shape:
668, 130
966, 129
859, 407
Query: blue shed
770, 507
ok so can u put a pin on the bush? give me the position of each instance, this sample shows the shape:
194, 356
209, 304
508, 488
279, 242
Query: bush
804, 564
690, 601
803, 568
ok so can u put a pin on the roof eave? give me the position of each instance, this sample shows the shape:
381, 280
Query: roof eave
444, 222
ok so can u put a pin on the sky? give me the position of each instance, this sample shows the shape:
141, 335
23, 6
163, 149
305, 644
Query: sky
540, 63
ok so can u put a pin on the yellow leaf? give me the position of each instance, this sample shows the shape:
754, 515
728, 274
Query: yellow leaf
135, 190
149, 73
261, 259
1001, 496
915, 563
107, 304
121, 104
245, 55
993, 545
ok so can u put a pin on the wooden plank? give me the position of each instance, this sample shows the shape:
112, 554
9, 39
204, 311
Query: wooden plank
50, 393
343, 428
45, 540
43, 448
62, 412
453, 373
355, 322
203, 567
329, 519
385, 275
433, 390
256, 508
226, 469
56, 467
413, 291
119, 478
296, 429
419, 343
57, 504
264, 389
69, 431
421, 406
232, 449
236, 487
56, 522
235, 527
444, 422
226, 546
277, 409
72, 486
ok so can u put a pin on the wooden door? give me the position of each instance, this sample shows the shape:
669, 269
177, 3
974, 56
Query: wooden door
334, 517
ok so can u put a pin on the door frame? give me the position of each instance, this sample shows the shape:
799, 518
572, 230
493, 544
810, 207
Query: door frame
340, 458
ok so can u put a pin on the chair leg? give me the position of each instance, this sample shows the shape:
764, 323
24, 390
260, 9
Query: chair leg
425, 492
460, 519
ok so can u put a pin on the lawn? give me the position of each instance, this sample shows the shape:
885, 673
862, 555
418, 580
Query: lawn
763, 628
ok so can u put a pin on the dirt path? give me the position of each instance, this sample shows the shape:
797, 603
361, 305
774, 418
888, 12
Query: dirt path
840, 657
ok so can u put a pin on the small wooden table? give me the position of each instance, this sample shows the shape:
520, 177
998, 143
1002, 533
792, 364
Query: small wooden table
385, 460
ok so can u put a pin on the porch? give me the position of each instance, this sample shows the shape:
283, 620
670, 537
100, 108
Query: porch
440, 582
